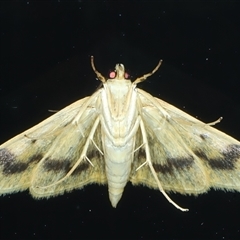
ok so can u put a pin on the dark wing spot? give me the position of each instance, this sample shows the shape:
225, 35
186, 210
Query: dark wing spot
226, 162
82, 167
35, 158
14, 168
33, 140
174, 164
203, 136
10, 163
93, 154
56, 165
142, 153
232, 151
199, 153
6, 157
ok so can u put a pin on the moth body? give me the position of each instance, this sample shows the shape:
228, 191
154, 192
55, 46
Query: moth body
118, 133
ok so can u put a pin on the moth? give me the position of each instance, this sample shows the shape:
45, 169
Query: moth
119, 134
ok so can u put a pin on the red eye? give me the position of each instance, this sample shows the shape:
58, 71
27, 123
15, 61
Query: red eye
112, 74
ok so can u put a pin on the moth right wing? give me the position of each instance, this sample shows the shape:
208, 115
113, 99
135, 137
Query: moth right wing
187, 155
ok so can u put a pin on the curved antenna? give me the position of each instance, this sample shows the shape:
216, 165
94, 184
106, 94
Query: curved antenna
99, 75
145, 76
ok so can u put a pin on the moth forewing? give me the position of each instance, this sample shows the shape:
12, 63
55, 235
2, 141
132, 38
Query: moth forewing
120, 133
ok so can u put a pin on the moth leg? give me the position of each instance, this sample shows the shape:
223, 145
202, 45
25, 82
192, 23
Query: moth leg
138, 147
149, 162
86, 158
215, 122
142, 165
82, 157
96, 146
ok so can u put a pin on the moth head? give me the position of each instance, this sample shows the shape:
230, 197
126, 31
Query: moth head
119, 72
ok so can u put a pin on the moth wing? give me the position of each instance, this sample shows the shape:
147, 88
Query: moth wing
188, 155
46, 152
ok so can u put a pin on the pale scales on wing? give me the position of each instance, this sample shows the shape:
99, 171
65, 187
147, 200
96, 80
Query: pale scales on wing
169, 149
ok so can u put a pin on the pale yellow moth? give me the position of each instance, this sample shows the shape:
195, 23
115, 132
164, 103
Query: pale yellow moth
119, 134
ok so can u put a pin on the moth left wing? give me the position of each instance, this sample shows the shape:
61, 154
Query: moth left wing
45, 153
187, 155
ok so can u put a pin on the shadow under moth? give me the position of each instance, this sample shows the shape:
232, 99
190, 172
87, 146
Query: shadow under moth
119, 134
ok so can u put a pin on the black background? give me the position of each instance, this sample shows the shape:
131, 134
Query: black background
45, 64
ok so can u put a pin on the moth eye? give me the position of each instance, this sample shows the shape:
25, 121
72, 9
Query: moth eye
126, 75
112, 74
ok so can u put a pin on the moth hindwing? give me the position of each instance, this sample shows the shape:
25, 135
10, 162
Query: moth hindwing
119, 134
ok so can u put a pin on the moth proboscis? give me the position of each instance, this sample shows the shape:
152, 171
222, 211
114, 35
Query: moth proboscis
119, 134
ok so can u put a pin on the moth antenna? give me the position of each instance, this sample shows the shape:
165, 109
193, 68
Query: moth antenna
145, 76
99, 75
